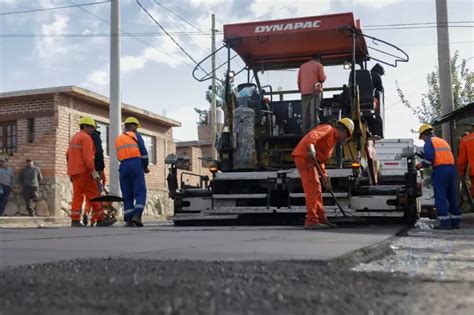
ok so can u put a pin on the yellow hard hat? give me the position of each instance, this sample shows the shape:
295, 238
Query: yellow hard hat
423, 128
132, 120
349, 124
87, 120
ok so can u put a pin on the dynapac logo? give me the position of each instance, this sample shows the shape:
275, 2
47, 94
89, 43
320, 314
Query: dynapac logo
287, 27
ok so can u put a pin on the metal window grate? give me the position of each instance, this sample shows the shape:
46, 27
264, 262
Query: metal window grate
8, 137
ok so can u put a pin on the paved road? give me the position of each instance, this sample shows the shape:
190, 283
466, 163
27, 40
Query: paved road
163, 241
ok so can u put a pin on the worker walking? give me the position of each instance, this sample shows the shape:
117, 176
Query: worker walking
466, 157
80, 168
317, 146
311, 76
99, 167
437, 154
133, 157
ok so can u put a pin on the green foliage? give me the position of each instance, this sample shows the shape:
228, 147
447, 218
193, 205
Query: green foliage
430, 107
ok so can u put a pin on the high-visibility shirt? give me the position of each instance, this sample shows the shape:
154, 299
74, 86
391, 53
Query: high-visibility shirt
466, 155
323, 137
126, 146
437, 152
310, 73
80, 154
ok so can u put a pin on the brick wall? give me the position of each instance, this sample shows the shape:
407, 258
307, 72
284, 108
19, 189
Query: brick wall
56, 121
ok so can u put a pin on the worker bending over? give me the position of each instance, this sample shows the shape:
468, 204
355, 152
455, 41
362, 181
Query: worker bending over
466, 157
133, 157
318, 145
437, 154
311, 76
81, 170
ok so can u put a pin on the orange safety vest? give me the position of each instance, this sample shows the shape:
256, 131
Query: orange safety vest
126, 146
466, 154
80, 154
443, 154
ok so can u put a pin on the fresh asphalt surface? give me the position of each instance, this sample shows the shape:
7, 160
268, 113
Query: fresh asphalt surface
163, 241
162, 269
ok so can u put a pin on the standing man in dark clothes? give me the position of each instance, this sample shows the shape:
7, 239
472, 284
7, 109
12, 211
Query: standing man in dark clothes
99, 167
30, 178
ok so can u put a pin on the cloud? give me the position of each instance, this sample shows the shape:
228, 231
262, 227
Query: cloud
98, 78
188, 129
377, 4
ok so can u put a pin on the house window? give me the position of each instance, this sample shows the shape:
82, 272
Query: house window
104, 136
8, 137
31, 130
150, 144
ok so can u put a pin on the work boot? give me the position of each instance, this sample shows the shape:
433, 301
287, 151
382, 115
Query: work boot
85, 220
326, 222
318, 226
456, 226
130, 223
31, 214
137, 220
443, 227
76, 223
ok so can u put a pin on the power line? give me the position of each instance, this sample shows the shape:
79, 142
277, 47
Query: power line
54, 8
416, 27
122, 31
148, 34
416, 23
164, 30
178, 16
206, 50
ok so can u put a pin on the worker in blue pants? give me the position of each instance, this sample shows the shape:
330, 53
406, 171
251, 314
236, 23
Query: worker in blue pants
133, 157
438, 155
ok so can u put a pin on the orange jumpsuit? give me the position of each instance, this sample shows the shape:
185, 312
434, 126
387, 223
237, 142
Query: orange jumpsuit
80, 165
323, 137
466, 157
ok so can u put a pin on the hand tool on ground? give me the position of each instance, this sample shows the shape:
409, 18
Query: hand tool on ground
328, 187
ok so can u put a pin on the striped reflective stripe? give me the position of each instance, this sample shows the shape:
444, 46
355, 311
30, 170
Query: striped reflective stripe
144, 156
453, 216
443, 150
75, 146
443, 217
427, 162
130, 145
127, 211
139, 206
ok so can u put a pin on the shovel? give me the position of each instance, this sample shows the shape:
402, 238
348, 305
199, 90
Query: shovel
329, 188
105, 195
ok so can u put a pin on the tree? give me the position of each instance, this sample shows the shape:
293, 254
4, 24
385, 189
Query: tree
463, 91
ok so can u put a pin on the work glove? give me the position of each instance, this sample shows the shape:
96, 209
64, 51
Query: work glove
419, 166
311, 152
147, 170
95, 175
326, 181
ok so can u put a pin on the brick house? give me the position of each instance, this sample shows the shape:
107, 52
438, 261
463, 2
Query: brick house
38, 124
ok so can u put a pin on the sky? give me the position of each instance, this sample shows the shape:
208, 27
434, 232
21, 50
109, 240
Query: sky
156, 75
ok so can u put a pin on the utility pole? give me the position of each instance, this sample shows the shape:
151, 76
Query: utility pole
115, 95
444, 65
213, 102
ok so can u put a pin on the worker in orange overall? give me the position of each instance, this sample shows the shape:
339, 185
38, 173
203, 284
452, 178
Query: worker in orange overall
318, 145
438, 155
81, 170
466, 157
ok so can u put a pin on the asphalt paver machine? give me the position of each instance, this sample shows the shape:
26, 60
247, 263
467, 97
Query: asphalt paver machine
254, 177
